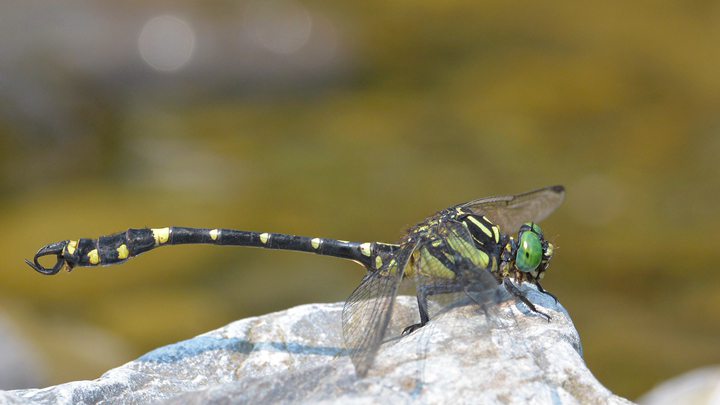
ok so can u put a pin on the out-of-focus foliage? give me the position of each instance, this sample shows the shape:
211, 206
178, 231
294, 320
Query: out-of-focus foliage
354, 120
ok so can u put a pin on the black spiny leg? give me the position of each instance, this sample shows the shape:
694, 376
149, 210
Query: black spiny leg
423, 292
512, 289
484, 290
542, 290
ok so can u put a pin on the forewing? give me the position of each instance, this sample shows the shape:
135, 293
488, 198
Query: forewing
471, 264
450, 266
368, 310
509, 212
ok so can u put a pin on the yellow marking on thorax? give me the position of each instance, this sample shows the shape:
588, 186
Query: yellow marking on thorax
264, 237
161, 235
93, 257
410, 268
482, 226
123, 252
408, 272
214, 234
482, 258
71, 246
429, 265
315, 243
469, 251
550, 249
505, 269
385, 268
366, 249
496, 233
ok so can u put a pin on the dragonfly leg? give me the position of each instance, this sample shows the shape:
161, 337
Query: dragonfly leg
542, 290
423, 292
512, 289
485, 295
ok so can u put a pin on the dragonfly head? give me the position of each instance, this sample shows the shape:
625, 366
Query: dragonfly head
532, 252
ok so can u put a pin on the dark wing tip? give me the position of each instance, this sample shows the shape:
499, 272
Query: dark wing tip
559, 191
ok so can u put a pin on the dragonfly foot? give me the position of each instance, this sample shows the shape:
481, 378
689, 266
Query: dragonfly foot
412, 328
510, 287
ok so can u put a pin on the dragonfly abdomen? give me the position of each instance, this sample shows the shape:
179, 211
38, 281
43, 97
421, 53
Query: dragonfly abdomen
117, 248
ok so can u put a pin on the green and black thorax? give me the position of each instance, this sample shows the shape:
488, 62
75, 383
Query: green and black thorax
524, 258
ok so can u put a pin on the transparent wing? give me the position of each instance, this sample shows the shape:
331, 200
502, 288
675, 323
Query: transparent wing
471, 265
481, 288
449, 267
511, 211
367, 312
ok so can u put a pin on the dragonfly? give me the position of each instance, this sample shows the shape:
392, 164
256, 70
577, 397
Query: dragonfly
475, 248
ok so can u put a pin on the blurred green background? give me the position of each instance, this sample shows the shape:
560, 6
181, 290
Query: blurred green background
355, 120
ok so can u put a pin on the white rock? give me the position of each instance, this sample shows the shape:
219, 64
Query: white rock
297, 356
696, 387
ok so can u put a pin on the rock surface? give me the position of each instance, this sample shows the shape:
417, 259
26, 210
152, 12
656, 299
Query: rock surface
696, 387
297, 356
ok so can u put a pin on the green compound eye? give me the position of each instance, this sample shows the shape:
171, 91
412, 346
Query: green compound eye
530, 251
